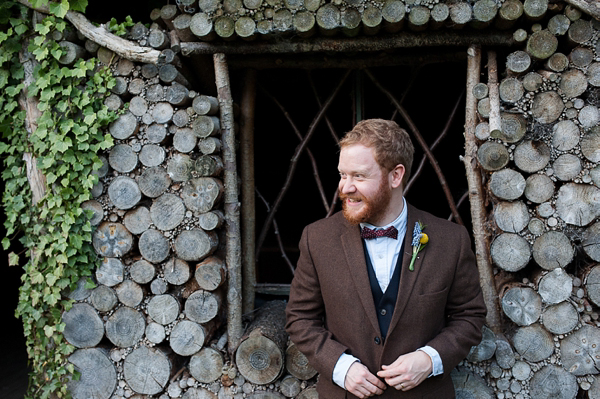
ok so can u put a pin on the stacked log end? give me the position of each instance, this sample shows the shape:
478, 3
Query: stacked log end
540, 170
154, 324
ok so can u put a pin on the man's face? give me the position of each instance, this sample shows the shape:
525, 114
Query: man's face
364, 187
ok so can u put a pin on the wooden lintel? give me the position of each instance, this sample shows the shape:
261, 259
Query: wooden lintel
359, 44
343, 61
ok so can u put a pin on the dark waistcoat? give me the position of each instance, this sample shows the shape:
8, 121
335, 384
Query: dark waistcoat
384, 302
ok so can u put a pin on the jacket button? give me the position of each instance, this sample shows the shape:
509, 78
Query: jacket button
377, 341
383, 312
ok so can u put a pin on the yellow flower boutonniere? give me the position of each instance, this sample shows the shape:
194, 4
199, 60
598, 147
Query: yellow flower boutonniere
419, 241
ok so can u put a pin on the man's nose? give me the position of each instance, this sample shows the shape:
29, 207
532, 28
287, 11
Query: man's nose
347, 186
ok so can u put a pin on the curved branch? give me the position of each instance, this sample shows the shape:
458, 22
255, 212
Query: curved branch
104, 38
294, 162
416, 174
423, 145
313, 161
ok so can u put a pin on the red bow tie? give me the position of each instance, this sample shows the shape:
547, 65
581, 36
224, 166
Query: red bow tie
368, 233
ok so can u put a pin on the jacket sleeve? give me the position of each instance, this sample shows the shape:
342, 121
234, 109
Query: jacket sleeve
306, 315
465, 310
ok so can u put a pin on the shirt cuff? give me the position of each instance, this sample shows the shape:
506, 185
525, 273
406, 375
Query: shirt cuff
341, 369
436, 360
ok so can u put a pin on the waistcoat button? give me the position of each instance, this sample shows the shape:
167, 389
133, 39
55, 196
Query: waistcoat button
377, 341
383, 312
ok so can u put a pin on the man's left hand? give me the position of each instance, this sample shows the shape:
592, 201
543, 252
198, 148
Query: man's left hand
407, 371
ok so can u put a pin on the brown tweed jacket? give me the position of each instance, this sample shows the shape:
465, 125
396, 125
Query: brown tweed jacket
331, 308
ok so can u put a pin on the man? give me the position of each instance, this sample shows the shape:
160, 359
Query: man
369, 318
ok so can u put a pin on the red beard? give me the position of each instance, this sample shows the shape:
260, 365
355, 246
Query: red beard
372, 208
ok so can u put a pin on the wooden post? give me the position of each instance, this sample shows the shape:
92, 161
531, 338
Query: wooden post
248, 203
478, 214
231, 204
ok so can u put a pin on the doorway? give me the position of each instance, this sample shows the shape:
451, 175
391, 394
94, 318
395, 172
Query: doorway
303, 187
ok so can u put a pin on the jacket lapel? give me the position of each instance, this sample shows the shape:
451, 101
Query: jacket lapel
355, 259
407, 278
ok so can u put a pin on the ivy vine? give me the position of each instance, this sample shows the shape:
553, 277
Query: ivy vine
55, 232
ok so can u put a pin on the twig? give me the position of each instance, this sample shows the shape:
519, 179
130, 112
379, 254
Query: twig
462, 199
423, 145
333, 203
443, 134
320, 104
276, 231
313, 162
294, 161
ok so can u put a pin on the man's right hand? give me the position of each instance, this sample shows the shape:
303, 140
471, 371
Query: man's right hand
361, 382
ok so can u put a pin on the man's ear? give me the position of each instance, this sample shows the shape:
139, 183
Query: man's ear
396, 175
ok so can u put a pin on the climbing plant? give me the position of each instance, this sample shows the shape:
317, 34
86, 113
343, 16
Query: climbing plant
63, 140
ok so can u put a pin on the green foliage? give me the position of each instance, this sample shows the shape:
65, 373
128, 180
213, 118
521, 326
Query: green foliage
55, 232
120, 29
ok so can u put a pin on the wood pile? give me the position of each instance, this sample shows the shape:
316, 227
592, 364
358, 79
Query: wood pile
209, 20
154, 325
539, 149
155, 322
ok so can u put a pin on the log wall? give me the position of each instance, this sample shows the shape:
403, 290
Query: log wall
155, 323
540, 164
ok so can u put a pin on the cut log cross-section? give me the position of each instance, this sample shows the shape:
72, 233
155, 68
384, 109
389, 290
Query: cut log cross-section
83, 326
125, 327
147, 370
98, 375
206, 365
260, 355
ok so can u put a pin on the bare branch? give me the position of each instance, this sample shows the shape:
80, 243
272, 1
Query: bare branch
278, 235
443, 134
308, 151
423, 145
294, 161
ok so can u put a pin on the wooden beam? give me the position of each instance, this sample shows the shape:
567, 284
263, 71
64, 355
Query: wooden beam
357, 44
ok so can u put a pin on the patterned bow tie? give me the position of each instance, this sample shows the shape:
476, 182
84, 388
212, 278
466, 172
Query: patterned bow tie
367, 233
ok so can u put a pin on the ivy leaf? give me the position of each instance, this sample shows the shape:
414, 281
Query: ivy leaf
49, 331
59, 9
5, 243
13, 258
78, 5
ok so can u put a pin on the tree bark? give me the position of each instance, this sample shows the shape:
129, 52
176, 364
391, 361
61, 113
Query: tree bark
478, 214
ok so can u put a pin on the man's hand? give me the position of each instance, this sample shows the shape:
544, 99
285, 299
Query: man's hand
361, 382
407, 371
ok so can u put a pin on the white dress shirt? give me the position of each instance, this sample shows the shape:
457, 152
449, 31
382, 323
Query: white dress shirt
384, 253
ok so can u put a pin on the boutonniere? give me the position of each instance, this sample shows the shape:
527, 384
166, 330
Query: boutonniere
419, 241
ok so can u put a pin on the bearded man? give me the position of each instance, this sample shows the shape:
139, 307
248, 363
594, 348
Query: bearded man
386, 298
